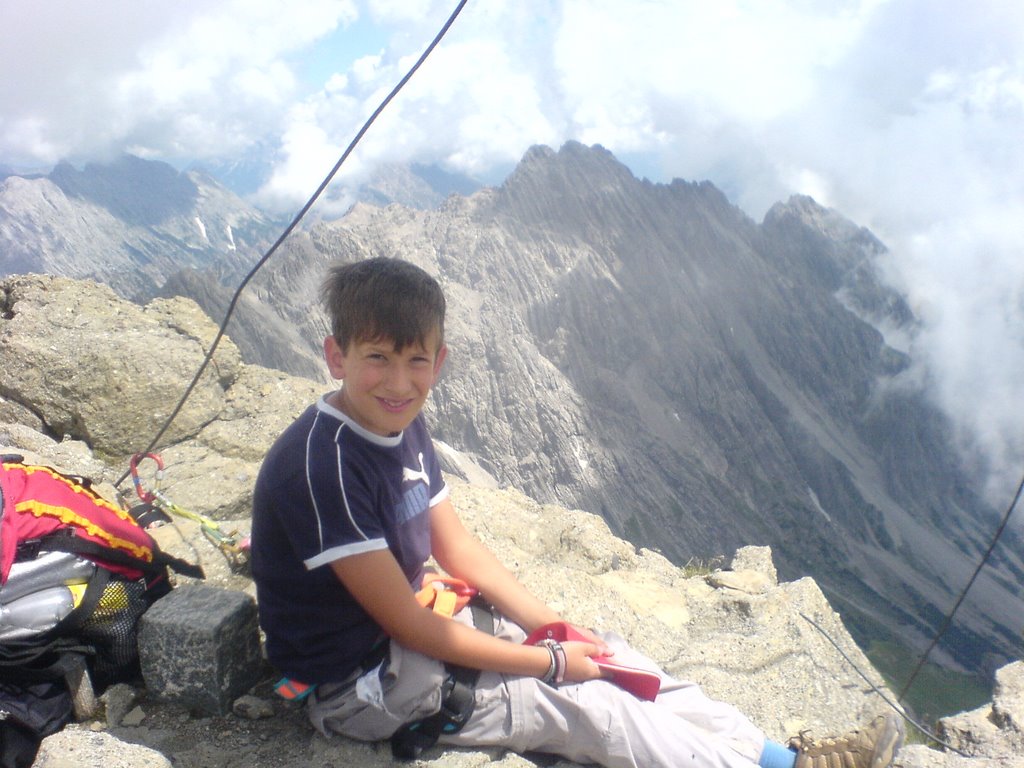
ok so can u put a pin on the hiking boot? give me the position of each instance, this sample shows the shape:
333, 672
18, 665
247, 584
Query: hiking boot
873, 746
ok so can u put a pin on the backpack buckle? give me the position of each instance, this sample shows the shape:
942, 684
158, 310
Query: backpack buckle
28, 549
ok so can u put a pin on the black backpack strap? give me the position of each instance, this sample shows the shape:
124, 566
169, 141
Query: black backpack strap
458, 699
457, 704
176, 564
64, 540
86, 606
147, 514
483, 614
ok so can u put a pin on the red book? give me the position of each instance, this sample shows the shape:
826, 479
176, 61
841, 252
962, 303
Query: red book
639, 682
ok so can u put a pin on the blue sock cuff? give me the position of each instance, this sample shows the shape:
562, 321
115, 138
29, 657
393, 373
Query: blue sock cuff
774, 755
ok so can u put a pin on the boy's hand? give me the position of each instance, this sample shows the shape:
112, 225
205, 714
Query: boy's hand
578, 663
603, 648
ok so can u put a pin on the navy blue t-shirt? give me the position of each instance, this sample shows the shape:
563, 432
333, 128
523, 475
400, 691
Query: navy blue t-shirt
329, 489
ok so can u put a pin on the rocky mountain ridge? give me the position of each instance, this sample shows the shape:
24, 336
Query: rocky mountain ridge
128, 224
649, 353
740, 632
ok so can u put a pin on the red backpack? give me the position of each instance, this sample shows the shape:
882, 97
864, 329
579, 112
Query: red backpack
76, 573
72, 565
43, 506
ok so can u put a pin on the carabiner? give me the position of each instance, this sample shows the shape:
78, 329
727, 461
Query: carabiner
133, 466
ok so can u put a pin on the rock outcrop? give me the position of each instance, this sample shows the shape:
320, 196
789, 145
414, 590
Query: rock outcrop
740, 633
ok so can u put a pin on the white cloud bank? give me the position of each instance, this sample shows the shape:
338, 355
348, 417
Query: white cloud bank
196, 78
905, 115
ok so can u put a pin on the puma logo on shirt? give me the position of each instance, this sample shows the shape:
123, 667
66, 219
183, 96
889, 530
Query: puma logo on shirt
416, 498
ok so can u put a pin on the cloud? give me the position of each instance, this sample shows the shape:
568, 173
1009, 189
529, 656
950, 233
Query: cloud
476, 102
186, 79
915, 134
635, 77
904, 115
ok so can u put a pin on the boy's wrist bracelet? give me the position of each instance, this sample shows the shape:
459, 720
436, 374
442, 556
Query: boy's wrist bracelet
560, 662
556, 670
548, 676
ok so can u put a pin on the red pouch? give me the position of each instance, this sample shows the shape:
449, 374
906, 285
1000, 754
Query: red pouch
639, 682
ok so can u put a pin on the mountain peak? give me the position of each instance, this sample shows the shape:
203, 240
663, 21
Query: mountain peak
142, 192
572, 161
574, 187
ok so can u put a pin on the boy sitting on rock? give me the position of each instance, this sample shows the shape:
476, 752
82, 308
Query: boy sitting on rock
350, 504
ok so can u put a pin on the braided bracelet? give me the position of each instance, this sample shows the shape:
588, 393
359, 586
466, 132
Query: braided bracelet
556, 671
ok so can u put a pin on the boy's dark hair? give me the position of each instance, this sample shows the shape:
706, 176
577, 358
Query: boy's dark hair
383, 298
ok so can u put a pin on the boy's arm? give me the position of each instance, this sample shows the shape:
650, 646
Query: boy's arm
464, 556
377, 582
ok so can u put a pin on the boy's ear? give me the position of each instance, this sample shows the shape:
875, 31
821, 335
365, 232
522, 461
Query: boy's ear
334, 355
442, 353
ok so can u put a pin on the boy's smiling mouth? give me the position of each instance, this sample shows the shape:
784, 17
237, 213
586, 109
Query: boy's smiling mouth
394, 406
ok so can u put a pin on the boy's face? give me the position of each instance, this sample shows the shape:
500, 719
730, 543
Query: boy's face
384, 390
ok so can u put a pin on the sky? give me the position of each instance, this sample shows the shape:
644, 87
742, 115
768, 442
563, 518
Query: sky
906, 116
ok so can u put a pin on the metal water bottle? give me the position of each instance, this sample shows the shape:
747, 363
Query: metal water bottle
48, 570
37, 611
